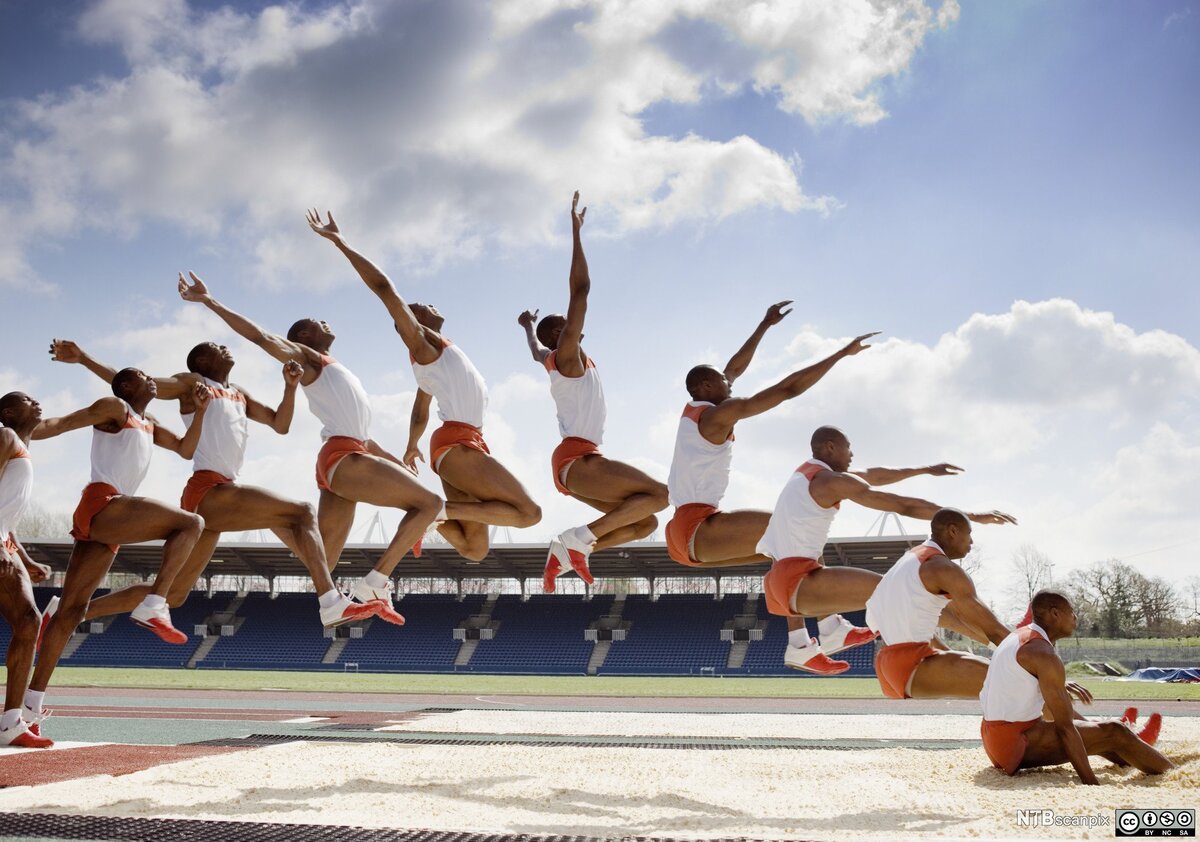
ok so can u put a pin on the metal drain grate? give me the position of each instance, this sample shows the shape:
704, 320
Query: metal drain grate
731, 744
122, 829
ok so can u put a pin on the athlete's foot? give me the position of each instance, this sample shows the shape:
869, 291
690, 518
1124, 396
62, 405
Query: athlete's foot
22, 736
363, 591
1149, 734
554, 567
811, 659
385, 612
577, 554
846, 636
51, 607
344, 611
1129, 717
34, 719
157, 620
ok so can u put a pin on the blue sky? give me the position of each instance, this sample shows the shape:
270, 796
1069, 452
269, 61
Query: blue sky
917, 180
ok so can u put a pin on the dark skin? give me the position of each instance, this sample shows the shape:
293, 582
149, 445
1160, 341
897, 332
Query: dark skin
376, 477
230, 507
628, 497
1063, 738
125, 520
479, 490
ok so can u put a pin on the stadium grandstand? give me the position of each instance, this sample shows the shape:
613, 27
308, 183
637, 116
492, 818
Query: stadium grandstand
489, 617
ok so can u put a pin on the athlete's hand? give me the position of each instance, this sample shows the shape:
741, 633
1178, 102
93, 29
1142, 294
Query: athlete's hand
576, 216
857, 345
775, 313
201, 395
992, 517
292, 372
37, 572
196, 291
528, 318
65, 351
1079, 692
943, 469
410, 459
329, 230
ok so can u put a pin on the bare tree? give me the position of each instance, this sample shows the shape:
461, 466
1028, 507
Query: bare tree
1034, 572
1191, 594
40, 522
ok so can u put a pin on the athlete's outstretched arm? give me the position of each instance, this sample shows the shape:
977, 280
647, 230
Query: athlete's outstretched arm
570, 359
527, 320
718, 422
740, 361
948, 578
278, 347
186, 446
417, 423
103, 411
66, 351
830, 487
1039, 658
887, 476
280, 418
406, 323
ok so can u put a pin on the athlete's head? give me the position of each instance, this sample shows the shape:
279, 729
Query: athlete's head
311, 332
830, 445
550, 328
952, 532
134, 386
209, 358
1054, 613
18, 410
705, 383
427, 316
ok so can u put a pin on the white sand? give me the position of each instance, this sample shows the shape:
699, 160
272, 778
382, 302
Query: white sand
810, 793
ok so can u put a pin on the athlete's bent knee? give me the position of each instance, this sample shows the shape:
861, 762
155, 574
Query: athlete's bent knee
475, 551
529, 513
26, 624
305, 516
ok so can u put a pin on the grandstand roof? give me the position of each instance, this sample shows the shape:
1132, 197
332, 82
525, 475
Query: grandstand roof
643, 560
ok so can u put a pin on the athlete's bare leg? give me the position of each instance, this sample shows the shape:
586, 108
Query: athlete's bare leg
623, 534
949, 675
726, 539
20, 611
832, 590
335, 518
131, 520
369, 479
127, 599
471, 540
86, 568
635, 495
503, 501
1044, 747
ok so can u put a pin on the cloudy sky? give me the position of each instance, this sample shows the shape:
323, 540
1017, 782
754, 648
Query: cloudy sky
1007, 191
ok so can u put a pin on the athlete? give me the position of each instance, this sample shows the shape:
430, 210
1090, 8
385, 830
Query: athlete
478, 489
798, 584
19, 415
213, 492
352, 467
628, 497
109, 515
1026, 677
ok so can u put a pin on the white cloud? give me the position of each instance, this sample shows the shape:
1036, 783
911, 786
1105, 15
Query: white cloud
437, 128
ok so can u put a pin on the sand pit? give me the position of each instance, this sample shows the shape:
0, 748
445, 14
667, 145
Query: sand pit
882, 793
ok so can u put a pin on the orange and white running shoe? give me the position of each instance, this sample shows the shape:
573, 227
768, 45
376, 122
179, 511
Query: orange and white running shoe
846, 636
51, 607
157, 620
811, 659
1149, 734
344, 611
22, 736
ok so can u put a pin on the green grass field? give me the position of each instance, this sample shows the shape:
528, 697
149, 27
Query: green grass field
488, 685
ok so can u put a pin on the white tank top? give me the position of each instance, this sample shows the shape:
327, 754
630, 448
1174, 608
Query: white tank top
222, 445
121, 459
456, 384
1010, 693
578, 400
902, 609
16, 490
699, 468
799, 526
339, 401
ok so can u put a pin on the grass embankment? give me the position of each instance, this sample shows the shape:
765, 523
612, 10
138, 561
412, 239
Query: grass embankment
513, 685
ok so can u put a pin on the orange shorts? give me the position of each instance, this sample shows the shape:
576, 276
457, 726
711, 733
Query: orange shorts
571, 448
335, 449
1005, 743
895, 664
781, 582
95, 497
452, 434
681, 529
199, 485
